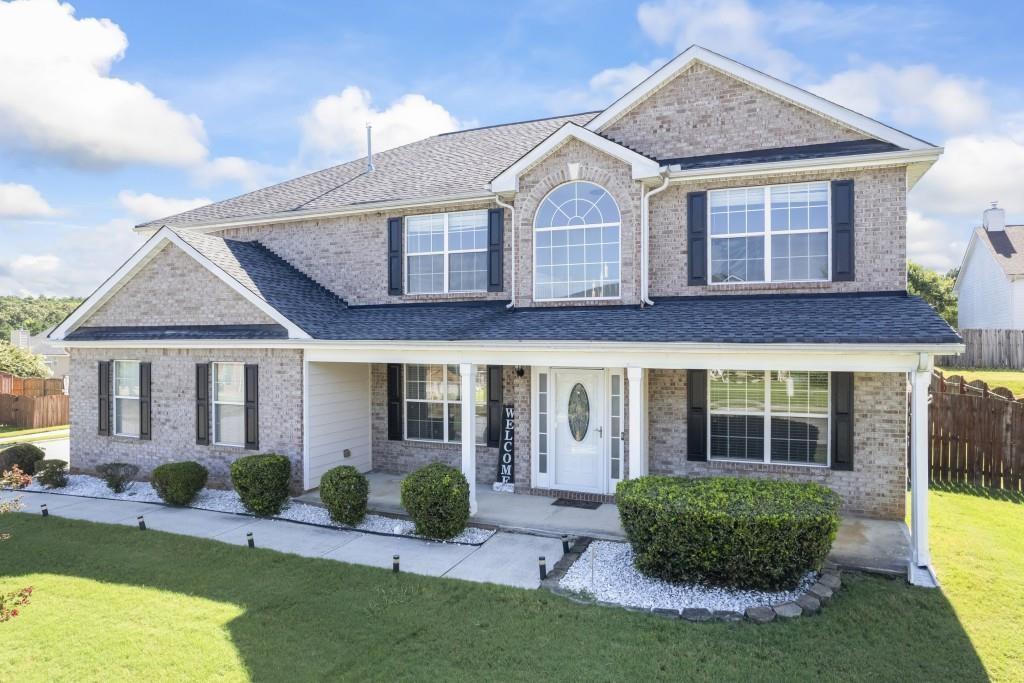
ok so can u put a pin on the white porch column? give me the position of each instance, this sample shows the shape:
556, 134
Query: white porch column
468, 372
920, 554
637, 442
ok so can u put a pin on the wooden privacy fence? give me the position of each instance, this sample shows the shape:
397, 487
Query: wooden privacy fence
32, 412
988, 349
976, 434
30, 386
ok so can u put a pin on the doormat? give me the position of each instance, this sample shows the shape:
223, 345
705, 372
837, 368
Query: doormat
582, 504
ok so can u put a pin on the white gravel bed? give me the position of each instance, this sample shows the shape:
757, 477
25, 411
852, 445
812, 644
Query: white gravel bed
616, 580
228, 501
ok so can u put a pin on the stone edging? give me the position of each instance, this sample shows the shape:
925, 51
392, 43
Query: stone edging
810, 602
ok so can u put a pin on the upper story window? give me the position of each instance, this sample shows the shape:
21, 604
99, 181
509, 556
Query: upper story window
447, 252
576, 244
779, 233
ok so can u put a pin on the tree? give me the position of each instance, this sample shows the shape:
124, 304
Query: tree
21, 362
35, 314
935, 288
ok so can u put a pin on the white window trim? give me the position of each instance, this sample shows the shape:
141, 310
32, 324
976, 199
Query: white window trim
137, 399
445, 253
214, 403
446, 401
768, 414
767, 234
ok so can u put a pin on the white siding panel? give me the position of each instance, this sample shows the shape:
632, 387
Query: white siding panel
985, 301
339, 417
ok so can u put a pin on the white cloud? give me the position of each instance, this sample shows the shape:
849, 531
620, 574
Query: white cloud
57, 96
19, 200
249, 174
336, 125
974, 171
147, 206
912, 96
30, 264
936, 243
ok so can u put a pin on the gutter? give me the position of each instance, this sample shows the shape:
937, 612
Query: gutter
678, 174
512, 217
645, 247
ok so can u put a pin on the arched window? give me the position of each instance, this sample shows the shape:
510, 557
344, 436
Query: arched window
576, 244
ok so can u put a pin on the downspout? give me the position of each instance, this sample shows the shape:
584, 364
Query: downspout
645, 207
512, 217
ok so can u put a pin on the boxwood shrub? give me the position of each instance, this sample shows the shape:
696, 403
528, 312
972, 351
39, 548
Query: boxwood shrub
53, 474
262, 482
24, 455
178, 483
120, 476
344, 491
437, 498
744, 533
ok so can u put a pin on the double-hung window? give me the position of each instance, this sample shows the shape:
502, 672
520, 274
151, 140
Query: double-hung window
774, 417
778, 233
229, 404
433, 403
447, 252
127, 415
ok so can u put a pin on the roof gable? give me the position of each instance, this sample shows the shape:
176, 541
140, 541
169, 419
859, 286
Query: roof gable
1005, 248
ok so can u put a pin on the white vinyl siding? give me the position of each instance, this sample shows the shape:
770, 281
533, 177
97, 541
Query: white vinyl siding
986, 296
338, 414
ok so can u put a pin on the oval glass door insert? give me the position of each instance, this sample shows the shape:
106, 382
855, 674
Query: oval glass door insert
579, 412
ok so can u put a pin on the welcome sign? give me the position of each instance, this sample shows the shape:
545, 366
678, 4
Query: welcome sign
505, 482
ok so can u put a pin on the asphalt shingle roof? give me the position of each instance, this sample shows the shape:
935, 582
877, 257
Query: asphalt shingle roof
1007, 246
762, 156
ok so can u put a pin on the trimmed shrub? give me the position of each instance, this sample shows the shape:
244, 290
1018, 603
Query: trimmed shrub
120, 476
344, 491
743, 533
24, 455
262, 482
178, 483
437, 498
53, 474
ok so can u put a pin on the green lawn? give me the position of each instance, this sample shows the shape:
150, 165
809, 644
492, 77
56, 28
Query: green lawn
114, 603
1011, 379
10, 431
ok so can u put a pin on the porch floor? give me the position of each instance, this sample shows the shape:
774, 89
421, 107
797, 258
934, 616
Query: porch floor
862, 543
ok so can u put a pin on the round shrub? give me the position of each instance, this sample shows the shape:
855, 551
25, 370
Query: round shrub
53, 474
120, 476
437, 498
743, 533
178, 483
24, 455
262, 482
344, 491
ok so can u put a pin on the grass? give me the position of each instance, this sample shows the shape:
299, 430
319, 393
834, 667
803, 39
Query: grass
11, 431
1011, 379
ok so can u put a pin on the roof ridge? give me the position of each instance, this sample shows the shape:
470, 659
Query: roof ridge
516, 123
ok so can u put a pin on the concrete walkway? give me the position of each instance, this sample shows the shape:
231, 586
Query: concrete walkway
506, 558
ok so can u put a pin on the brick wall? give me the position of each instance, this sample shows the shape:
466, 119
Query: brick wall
704, 111
877, 485
174, 410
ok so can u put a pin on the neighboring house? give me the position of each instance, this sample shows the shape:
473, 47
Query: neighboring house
55, 356
706, 278
990, 286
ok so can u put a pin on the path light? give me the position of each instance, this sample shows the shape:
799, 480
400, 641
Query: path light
543, 568
46, 513
565, 545
394, 563
249, 539
142, 523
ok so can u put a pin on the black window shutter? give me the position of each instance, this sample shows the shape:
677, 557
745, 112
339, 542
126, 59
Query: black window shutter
252, 400
395, 256
842, 231
495, 249
697, 237
842, 420
395, 402
696, 414
103, 402
145, 401
203, 404
494, 397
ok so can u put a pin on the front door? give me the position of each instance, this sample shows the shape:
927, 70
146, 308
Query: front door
579, 430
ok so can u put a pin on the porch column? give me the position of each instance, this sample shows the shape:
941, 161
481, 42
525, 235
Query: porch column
920, 555
468, 372
637, 442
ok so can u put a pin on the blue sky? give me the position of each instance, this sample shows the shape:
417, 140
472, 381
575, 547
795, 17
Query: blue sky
112, 113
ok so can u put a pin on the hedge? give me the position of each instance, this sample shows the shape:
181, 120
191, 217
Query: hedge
53, 474
437, 498
344, 490
178, 483
743, 533
24, 455
262, 482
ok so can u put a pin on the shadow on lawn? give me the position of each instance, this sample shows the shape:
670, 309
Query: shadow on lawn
979, 491
309, 619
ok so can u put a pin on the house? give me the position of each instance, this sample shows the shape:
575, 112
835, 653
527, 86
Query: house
990, 285
56, 358
708, 277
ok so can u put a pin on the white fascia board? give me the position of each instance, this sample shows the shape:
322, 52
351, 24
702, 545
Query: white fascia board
146, 253
642, 167
761, 80
963, 261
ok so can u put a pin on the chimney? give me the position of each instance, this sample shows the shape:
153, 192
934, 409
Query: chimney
994, 218
369, 147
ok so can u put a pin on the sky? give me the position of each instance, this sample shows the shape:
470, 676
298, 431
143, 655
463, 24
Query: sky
114, 113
